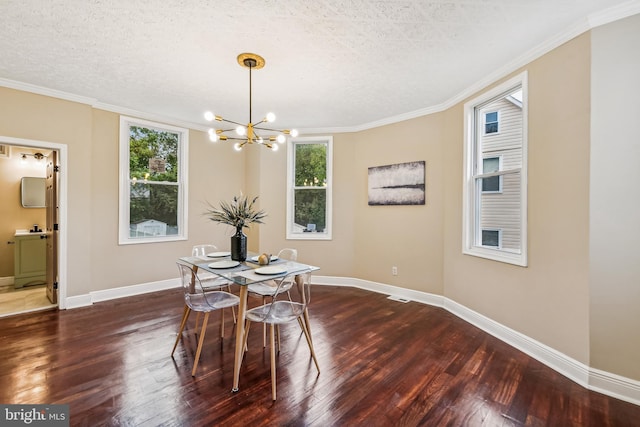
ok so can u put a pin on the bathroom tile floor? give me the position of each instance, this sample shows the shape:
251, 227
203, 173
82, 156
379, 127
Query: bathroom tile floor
32, 298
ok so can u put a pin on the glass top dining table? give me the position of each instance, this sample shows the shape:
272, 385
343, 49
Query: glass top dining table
244, 273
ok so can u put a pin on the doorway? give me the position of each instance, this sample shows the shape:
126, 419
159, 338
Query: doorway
30, 257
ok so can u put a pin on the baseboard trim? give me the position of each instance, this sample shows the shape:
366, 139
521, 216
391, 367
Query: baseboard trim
596, 380
121, 292
607, 383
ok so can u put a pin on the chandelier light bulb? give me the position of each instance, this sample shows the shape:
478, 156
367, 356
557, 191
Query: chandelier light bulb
294, 132
209, 116
213, 137
271, 117
281, 138
274, 147
240, 130
237, 146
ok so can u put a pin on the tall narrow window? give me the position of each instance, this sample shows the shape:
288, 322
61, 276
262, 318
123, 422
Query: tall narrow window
495, 187
309, 188
152, 182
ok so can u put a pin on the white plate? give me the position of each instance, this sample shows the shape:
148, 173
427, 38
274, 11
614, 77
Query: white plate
224, 264
255, 258
275, 269
218, 254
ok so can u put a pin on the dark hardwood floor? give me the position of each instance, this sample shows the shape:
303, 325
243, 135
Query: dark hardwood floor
384, 363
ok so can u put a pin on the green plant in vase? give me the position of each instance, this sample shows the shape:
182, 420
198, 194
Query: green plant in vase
239, 213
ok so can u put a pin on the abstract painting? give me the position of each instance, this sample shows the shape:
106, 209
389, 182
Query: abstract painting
399, 184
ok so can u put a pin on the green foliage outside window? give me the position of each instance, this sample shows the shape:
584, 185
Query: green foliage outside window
153, 172
310, 182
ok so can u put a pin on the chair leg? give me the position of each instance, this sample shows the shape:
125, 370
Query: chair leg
310, 343
204, 330
222, 323
306, 321
273, 362
264, 326
185, 316
246, 334
195, 331
233, 309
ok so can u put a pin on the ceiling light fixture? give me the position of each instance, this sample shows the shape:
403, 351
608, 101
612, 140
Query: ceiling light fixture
247, 134
37, 156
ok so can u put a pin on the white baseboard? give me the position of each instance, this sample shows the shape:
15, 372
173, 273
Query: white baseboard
593, 379
121, 292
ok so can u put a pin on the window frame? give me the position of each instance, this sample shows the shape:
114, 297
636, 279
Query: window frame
124, 194
291, 144
471, 230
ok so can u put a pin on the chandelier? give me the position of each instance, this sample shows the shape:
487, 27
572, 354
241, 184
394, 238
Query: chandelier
250, 133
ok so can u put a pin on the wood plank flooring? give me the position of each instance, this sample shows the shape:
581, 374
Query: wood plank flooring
383, 362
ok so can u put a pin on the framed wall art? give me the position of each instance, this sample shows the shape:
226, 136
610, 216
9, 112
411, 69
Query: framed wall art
398, 184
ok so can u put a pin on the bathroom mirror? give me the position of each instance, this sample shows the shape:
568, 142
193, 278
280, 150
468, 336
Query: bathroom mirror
32, 192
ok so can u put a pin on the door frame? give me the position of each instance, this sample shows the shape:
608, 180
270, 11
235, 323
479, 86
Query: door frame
62, 206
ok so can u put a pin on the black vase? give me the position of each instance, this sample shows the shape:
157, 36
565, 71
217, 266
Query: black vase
239, 246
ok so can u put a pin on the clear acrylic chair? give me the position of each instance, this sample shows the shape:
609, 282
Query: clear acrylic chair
196, 299
289, 303
210, 282
267, 289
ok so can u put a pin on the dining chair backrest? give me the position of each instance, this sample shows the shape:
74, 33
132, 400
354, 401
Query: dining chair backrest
191, 284
203, 250
288, 254
290, 298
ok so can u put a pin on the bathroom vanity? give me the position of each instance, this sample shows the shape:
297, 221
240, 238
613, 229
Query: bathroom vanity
30, 258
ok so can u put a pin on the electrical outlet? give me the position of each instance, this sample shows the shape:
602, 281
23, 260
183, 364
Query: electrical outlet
394, 270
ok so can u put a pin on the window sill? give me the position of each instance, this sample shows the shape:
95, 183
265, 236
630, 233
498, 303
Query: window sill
519, 259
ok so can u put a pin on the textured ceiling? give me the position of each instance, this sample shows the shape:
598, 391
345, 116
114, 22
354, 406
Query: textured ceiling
330, 64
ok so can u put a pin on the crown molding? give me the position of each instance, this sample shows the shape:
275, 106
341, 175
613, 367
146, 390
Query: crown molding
39, 90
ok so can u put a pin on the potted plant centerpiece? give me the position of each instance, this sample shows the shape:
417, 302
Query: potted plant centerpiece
239, 214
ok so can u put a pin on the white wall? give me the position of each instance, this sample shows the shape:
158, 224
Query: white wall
615, 198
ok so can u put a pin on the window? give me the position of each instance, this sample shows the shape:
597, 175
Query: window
491, 238
309, 188
492, 184
153, 186
491, 122
495, 184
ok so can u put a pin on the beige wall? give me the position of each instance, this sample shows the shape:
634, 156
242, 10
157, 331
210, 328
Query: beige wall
615, 199
95, 260
12, 215
408, 237
548, 300
36, 117
335, 257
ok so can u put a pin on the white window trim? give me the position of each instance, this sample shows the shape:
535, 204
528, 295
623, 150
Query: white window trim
327, 235
124, 197
470, 226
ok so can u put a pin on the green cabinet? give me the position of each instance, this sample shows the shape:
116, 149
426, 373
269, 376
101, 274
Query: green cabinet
30, 260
